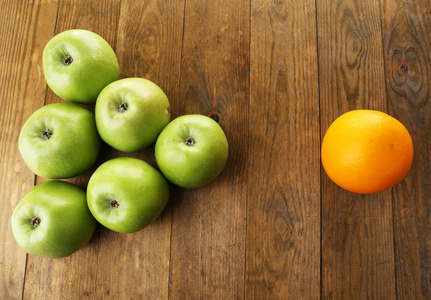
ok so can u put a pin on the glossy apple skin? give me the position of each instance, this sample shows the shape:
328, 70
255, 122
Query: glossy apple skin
65, 223
140, 191
73, 147
94, 65
191, 166
130, 113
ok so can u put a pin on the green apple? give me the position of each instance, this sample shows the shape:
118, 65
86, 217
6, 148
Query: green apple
59, 140
78, 64
191, 151
130, 113
52, 220
126, 194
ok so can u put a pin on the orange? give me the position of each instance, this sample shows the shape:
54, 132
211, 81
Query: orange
367, 151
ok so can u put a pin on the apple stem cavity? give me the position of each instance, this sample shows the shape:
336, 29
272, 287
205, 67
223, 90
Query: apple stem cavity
35, 221
67, 60
47, 134
122, 107
114, 204
190, 141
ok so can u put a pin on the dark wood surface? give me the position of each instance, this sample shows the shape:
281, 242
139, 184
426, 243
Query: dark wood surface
272, 225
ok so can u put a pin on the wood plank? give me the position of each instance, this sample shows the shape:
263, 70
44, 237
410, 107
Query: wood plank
23, 36
148, 45
406, 49
357, 231
283, 213
208, 223
76, 276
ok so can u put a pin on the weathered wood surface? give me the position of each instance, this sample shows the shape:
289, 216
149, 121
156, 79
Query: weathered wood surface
272, 225
283, 211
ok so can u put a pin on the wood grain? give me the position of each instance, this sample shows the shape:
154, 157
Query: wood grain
283, 211
357, 231
275, 74
208, 223
22, 91
406, 49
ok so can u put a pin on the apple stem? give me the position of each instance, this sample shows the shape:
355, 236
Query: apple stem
35, 221
122, 107
47, 134
190, 141
114, 204
67, 60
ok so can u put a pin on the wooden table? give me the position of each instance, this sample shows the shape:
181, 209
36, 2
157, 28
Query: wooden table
273, 225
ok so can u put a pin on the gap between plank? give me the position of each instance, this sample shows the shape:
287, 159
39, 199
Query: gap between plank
248, 148
320, 142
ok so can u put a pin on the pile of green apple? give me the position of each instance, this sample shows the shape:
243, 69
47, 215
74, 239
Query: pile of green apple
62, 140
